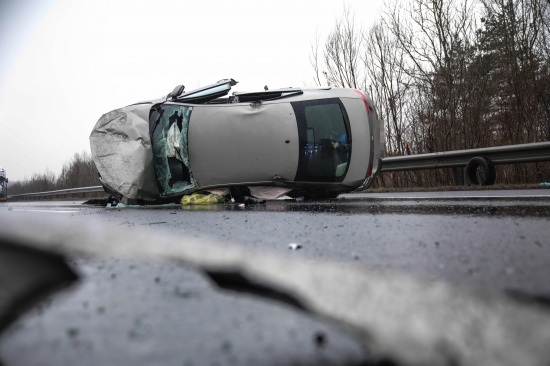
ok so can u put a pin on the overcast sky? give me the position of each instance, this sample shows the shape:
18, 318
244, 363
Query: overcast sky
63, 63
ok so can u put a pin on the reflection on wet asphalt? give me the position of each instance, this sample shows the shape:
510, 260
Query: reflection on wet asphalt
495, 243
526, 207
405, 207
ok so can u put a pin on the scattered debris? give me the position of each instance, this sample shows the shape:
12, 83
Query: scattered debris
294, 246
120, 205
320, 339
248, 200
226, 347
72, 332
267, 192
202, 199
220, 191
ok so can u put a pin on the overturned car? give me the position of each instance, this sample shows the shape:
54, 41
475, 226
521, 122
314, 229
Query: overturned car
315, 143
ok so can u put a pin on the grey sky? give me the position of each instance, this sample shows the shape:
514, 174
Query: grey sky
63, 63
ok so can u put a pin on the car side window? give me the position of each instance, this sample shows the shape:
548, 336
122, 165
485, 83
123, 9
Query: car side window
169, 124
325, 140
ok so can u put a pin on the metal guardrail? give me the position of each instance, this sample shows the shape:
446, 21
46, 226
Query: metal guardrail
511, 154
60, 192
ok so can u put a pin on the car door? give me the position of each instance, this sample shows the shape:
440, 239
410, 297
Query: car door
243, 143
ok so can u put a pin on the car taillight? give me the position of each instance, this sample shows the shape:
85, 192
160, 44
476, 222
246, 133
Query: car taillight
364, 99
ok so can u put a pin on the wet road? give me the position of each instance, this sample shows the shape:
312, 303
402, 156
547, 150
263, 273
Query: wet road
147, 312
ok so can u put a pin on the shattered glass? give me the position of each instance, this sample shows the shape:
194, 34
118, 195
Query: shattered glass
169, 139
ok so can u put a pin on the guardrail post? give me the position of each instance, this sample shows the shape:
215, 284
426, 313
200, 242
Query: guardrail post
458, 172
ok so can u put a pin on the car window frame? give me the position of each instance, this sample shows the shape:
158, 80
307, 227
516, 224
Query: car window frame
302, 169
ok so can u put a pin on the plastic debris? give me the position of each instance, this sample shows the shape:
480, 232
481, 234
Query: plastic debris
253, 200
294, 246
320, 339
220, 191
544, 184
268, 193
202, 199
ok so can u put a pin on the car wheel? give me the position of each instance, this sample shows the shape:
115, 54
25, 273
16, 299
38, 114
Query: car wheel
480, 171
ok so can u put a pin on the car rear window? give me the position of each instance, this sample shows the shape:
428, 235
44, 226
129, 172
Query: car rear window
325, 140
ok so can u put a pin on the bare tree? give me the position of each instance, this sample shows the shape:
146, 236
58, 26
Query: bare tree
443, 81
342, 54
314, 61
388, 84
435, 37
80, 171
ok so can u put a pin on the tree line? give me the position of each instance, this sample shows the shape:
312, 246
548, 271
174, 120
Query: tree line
80, 171
448, 75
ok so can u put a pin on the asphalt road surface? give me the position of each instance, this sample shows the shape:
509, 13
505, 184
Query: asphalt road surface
149, 312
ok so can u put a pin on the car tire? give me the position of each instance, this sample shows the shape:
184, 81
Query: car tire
488, 172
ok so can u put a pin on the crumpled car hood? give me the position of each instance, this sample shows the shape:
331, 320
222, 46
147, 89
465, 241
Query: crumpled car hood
121, 148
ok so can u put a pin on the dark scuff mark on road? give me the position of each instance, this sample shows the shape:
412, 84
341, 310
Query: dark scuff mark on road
234, 280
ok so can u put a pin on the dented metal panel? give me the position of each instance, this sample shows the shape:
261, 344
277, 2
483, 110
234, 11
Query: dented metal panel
243, 143
121, 148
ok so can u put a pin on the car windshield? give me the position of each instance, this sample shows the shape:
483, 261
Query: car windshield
169, 125
325, 141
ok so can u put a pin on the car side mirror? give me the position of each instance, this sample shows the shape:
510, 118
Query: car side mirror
176, 91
